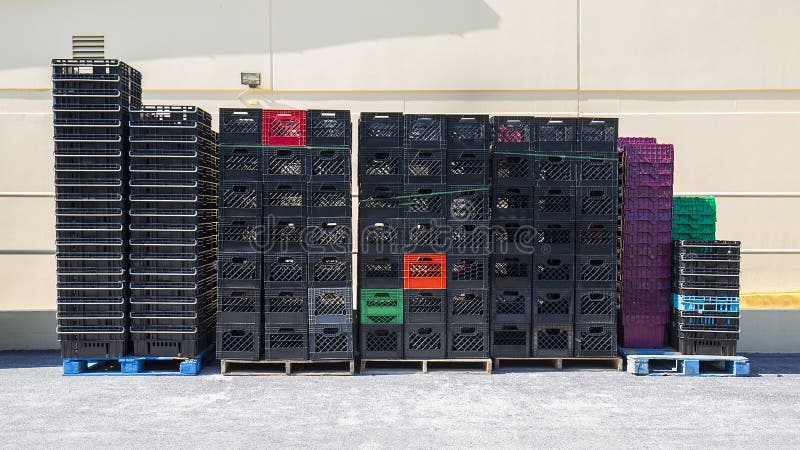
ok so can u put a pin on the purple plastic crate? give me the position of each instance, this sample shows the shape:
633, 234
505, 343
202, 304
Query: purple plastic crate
663, 203
650, 271
658, 304
657, 227
651, 249
645, 288
648, 168
632, 192
634, 181
647, 214
623, 141
650, 153
644, 318
643, 336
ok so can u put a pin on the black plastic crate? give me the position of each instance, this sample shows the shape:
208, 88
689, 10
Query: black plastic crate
238, 341
382, 341
425, 340
284, 234
596, 238
239, 305
240, 234
555, 237
239, 270
597, 135
240, 199
380, 271
285, 198
596, 271
379, 236
468, 306
513, 132
330, 270
240, 163
513, 236
286, 342
329, 164
330, 341
556, 135
467, 271
595, 340
552, 340
468, 203
468, 340
553, 170
595, 306
330, 305
465, 167
598, 169
511, 340
424, 131
554, 270
511, 167
380, 130
468, 132
553, 305
705, 344
512, 202
425, 235
468, 237
597, 203
285, 164
329, 235
285, 270
424, 201
328, 128
424, 166
511, 305
555, 204
511, 271
286, 305
380, 165
102, 347
380, 201
706, 249
424, 306
240, 126
329, 199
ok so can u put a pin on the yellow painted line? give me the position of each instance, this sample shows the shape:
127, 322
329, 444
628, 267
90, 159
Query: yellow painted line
771, 300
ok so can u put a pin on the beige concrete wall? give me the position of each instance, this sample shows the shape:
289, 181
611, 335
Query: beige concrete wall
720, 79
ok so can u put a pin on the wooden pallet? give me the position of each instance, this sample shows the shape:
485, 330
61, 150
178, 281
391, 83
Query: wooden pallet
559, 363
396, 366
136, 365
322, 367
663, 362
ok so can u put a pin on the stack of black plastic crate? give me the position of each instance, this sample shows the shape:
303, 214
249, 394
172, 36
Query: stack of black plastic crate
597, 212
470, 273
382, 234
328, 221
173, 218
239, 291
513, 144
90, 115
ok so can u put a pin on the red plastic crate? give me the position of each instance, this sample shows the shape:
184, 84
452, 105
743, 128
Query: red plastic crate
424, 271
284, 127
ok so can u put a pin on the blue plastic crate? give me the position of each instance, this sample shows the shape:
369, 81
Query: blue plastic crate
705, 304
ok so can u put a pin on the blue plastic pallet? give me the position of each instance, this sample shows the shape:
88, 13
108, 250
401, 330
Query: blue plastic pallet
134, 365
705, 304
662, 362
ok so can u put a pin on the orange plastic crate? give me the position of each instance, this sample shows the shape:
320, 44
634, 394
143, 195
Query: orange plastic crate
424, 271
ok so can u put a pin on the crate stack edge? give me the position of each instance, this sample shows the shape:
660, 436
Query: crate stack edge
91, 98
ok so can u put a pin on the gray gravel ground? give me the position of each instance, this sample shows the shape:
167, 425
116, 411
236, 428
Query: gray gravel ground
570, 409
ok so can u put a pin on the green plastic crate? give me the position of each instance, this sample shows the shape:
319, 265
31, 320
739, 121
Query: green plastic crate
694, 218
381, 306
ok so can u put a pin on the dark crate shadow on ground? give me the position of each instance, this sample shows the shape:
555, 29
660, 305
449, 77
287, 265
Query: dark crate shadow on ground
767, 364
27, 359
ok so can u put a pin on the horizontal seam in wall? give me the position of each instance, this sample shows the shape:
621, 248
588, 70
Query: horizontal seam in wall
566, 90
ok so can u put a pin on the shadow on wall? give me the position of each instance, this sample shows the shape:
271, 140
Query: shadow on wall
155, 29
303, 25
